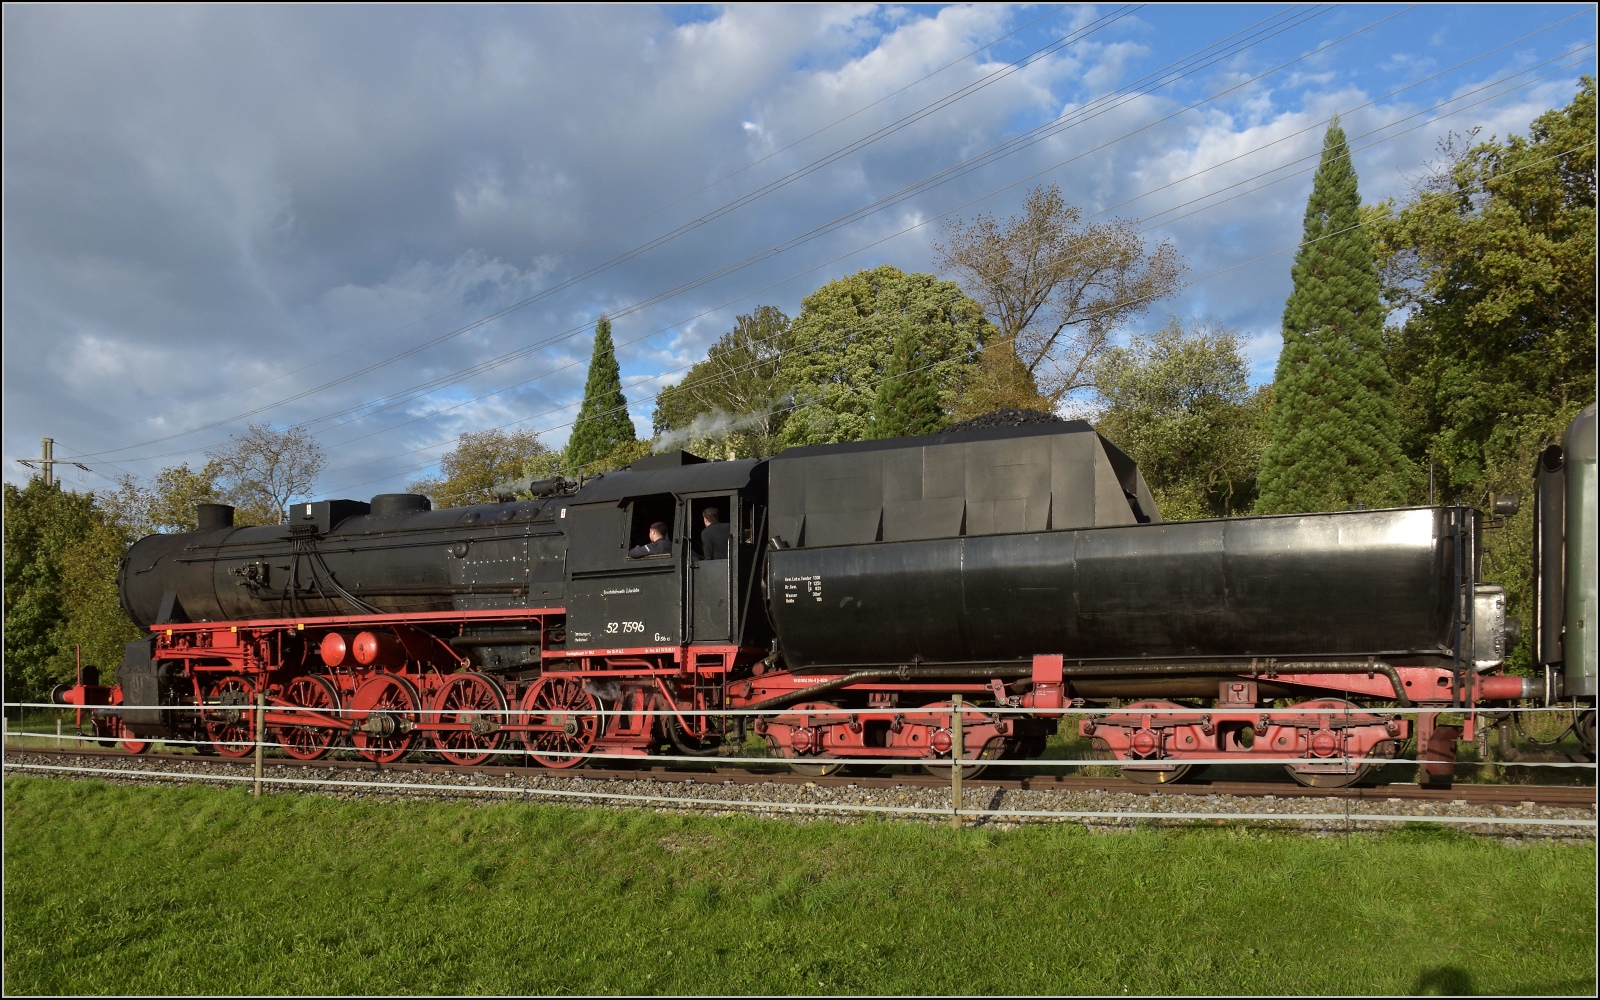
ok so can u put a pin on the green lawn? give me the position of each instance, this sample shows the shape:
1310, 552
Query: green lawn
121, 889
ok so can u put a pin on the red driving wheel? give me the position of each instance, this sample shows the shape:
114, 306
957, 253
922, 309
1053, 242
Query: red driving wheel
568, 717
476, 703
315, 738
229, 718
385, 711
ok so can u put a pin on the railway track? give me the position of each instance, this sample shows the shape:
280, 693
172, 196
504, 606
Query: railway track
1570, 796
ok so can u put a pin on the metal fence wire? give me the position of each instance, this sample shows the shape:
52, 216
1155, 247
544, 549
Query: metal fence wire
958, 811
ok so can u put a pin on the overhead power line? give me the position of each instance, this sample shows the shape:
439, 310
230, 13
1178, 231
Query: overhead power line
938, 105
653, 378
525, 272
1135, 300
1281, 166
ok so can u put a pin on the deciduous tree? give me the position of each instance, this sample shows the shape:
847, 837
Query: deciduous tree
843, 343
1180, 403
61, 557
1492, 258
729, 405
261, 470
481, 460
1056, 288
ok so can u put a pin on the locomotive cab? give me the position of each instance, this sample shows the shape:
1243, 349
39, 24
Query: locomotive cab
624, 595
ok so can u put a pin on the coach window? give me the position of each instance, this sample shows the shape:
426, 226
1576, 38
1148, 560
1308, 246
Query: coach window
645, 511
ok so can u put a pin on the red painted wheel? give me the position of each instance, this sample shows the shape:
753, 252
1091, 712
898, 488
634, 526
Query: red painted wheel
114, 732
993, 750
314, 740
1317, 771
806, 754
561, 703
229, 717
128, 741
385, 711
1160, 770
477, 702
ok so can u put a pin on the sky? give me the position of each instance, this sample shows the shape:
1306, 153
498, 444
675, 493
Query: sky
395, 224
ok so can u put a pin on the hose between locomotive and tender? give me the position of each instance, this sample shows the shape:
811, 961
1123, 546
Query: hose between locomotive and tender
908, 672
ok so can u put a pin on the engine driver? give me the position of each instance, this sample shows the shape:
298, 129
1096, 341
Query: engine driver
714, 536
660, 543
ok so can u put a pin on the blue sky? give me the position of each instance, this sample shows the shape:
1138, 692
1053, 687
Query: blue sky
396, 224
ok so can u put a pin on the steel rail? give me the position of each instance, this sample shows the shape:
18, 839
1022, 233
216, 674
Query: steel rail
778, 773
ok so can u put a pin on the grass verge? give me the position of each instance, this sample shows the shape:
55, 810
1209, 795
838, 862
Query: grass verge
184, 890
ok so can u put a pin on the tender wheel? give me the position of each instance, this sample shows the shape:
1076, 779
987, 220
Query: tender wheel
815, 769
993, 750
1148, 774
1319, 774
229, 717
573, 715
310, 742
1159, 770
808, 757
384, 711
1311, 780
477, 702
1165, 774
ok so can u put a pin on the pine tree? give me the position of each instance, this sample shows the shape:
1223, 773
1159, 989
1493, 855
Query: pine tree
1333, 430
603, 421
907, 401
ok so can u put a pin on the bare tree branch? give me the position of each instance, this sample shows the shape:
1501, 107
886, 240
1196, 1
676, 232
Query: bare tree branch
1055, 287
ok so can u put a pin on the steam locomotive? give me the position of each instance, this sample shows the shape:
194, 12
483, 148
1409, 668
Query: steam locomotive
861, 589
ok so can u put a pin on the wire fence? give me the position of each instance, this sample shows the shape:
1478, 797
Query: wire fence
503, 750
745, 805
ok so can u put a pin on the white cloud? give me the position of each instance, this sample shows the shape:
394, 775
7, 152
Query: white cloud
200, 200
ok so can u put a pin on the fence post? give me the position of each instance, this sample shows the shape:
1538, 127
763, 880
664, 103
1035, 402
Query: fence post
261, 720
58, 734
955, 767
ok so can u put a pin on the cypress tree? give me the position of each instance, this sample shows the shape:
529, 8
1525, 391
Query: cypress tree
603, 421
907, 401
1333, 430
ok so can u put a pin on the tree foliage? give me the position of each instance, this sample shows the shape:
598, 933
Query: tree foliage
1180, 403
1334, 431
481, 460
844, 340
262, 470
1493, 260
728, 406
907, 401
61, 557
1056, 288
169, 503
603, 422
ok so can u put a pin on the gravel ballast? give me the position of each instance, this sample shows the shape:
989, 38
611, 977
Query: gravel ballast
810, 802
